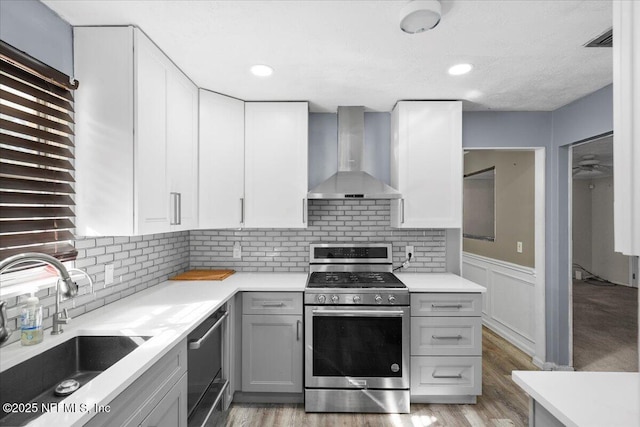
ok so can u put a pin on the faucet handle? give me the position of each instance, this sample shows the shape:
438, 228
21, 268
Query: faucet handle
66, 315
5, 331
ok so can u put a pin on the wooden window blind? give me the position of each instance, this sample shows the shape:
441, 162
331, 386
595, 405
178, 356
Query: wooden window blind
36, 158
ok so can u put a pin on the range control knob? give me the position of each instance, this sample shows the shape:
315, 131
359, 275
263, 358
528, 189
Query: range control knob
392, 299
321, 299
356, 298
378, 299
334, 299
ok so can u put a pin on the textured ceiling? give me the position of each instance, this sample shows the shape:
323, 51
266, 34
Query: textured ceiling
528, 55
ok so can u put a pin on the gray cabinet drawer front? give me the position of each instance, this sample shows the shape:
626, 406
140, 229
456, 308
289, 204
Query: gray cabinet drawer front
441, 336
446, 376
444, 304
272, 303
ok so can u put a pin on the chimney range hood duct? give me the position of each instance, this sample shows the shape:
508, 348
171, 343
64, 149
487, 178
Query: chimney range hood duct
351, 182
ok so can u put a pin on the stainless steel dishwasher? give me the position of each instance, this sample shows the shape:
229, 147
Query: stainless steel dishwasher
206, 375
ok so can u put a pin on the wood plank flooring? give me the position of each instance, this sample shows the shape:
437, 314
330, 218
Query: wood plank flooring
502, 402
605, 327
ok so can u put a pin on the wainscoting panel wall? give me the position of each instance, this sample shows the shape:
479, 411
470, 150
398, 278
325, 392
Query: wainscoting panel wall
508, 306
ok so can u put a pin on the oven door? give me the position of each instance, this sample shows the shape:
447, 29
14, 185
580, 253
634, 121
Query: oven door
357, 347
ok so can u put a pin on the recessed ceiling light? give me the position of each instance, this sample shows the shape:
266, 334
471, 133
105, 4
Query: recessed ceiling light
460, 69
261, 70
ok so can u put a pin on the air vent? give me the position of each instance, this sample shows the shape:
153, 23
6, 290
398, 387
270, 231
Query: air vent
603, 40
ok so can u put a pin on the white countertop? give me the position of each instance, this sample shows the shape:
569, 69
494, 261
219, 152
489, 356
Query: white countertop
168, 312
585, 398
438, 282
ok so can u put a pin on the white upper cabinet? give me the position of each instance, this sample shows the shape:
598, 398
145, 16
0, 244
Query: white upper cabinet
426, 164
136, 136
276, 180
182, 150
221, 159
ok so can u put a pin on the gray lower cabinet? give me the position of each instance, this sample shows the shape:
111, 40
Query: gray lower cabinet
157, 398
272, 342
446, 347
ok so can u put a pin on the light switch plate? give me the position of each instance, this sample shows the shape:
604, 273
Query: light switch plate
237, 250
108, 274
519, 247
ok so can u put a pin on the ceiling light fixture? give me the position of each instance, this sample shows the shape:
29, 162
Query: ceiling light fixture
460, 69
420, 15
261, 70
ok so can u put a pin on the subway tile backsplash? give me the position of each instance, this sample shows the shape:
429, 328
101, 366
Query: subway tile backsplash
139, 262
144, 261
287, 250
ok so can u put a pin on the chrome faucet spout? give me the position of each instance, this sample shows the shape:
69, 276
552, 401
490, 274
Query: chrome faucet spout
69, 288
65, 286
5, 332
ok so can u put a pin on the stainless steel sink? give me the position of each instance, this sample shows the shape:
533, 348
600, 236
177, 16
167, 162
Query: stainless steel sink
34, 381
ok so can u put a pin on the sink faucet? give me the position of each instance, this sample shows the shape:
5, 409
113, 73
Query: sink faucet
65, 285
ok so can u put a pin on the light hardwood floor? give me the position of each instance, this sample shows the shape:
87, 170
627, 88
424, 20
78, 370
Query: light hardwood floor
605, 327
502, 402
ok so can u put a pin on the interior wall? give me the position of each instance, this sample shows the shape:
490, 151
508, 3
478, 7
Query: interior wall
581, 223
514, 205
32, 27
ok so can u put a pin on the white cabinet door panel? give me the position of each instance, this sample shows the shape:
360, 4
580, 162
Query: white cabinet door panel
221, 158
427, 164
152, 200
182, 150
276, 181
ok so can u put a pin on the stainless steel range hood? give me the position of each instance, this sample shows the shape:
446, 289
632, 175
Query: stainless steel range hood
351, 181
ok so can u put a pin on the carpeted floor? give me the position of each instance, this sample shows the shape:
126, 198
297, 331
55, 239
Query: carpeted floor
605, 327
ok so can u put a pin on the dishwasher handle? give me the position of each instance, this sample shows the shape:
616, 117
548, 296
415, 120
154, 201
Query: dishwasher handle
195, 344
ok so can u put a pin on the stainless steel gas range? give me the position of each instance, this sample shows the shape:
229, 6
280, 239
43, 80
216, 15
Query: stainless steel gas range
356, 330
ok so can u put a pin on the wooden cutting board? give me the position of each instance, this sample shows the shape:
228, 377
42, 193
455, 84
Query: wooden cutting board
204, 275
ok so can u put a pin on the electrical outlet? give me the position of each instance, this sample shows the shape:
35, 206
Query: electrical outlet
409, 250
108, 274
237, 250
519, 247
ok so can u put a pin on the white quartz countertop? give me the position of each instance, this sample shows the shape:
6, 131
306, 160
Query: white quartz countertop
168, 312
585, 398
438, 282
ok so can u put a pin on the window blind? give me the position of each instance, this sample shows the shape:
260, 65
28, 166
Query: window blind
36, 158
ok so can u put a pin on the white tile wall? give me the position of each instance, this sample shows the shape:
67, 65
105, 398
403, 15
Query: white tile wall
281, 250
139, 262
144, 261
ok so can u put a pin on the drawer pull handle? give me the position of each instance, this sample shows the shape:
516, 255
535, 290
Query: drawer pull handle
272, 304
446, 337
459, 376
458, 306
195, 344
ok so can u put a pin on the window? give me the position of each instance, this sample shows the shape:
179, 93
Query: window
36, 158
479, 205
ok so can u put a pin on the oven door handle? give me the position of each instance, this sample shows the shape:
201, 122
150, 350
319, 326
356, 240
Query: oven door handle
371, 313
195, 344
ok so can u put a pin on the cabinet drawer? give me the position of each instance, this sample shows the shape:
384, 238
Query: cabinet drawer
272, 303
446, 376
457, 336
438, 304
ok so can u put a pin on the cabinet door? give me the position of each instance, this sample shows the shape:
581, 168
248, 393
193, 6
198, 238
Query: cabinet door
426, 164
172, 409
151, 199
272, 353
276, 181
182, 151
221, 158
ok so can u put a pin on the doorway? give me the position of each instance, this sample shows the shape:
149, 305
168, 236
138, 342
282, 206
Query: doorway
604, 300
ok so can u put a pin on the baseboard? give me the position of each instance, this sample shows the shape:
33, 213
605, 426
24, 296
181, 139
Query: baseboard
550, 366
445, 400
254, 397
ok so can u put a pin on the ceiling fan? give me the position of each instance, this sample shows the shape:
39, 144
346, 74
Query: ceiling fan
589, 166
